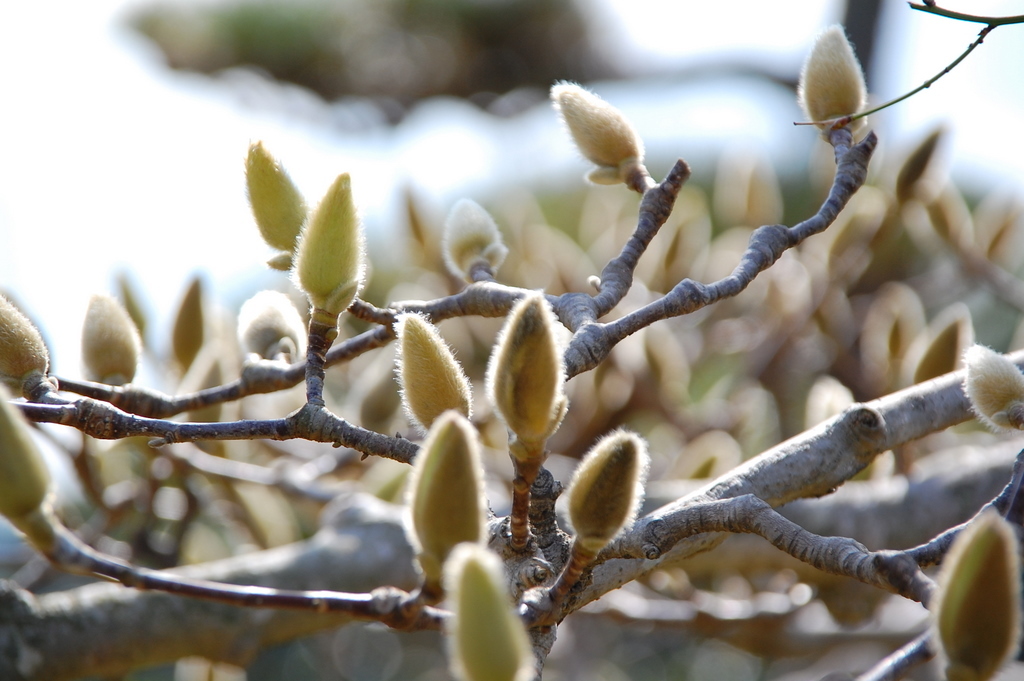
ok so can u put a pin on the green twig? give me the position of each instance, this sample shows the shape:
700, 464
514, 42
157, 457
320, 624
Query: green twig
949, 14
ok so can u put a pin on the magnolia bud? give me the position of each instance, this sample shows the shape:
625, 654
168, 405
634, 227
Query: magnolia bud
269, 325
24, 480
470, 235
329, 262
915, 166
832, 82
606, 489
601, 133
487, 640
189, 332
22, 351
111, 345
525, 375
939, 348
995, 387
432, 380
977, 604
277, 205
446, 497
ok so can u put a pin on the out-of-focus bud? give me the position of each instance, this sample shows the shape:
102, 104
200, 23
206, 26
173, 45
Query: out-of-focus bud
130, 298
827, 398
747, 190
189, 331
938, 349
487, 640
601, 133
525, 375
276, 203
832, 82
330, 260
269, 326
111, 345
24, 480
471, 236
913, 169
977, 605
432, 380
606, 489
446, 495
894, 318
995, 387
22, 351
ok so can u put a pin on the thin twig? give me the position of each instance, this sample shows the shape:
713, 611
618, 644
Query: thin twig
949, 14
899, 663
389, 605
106, 422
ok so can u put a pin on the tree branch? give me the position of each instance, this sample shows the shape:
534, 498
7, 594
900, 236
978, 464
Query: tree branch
594, 341
811, 464
107, 630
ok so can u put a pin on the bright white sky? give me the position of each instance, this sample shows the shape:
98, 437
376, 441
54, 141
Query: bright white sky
110, 162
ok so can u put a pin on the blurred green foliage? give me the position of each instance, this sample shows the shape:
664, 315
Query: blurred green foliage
401, 50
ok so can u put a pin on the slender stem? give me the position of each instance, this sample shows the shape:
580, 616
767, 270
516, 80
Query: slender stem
928, 83
579, 559
527, 459
323, 329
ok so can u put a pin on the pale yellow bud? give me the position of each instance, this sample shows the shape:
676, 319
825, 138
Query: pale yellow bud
22, 351
432, 380
269, 325
446, 493
606, 489
189, 331
330, 260
24, 480
525, 375
276, 203
487, 639
832, 82
111, 345
995, 387
470, 235
601, 133
977, 605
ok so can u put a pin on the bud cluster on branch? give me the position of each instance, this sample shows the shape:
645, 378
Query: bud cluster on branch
498, 573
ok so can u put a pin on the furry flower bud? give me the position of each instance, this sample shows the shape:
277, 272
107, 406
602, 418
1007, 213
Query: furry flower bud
470, 236
601, 132
111, 345
432, 380
832, 82
487, 640
525, 375
977, 606
330, 259
995, 387
606, 489
277, 205
269, 325
22, 351
446, 497
24, 480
